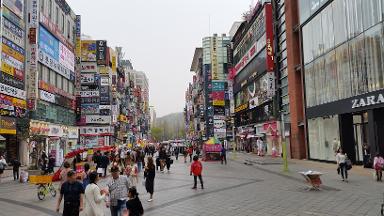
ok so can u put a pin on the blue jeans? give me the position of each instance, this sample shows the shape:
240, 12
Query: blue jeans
139, 166
117, 210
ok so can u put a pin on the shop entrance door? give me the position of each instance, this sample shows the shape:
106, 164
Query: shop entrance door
360, 128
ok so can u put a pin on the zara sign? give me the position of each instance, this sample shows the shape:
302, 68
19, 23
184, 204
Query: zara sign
367, 101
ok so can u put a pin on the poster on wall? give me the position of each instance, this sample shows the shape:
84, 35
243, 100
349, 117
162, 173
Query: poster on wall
48, 43
101, 52
88, 50
16, 6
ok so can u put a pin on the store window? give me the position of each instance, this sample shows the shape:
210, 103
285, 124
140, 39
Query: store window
372, 13
304, 10
374, 57
339, 9
343, 71
310, 88
327, 28
321, 133
65, 85
57, 16
355, 17
52, 77
358, 69
307, 43
330, 78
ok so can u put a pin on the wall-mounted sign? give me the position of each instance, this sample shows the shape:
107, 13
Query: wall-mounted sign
12, 91
52, 27
88, 50
66, 57
271, 90
104, 81
367, 101
89, 93
46, 96
87, 78
54, 65
7, 125
90, 109
97, 119
241, 108
253, 102
16, 6
88, 67
9, 80
101, 52
48, 43
73, 132
96, 131
105, 107
55, 131
11, 16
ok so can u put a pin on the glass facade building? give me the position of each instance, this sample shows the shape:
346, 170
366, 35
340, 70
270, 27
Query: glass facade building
343, 51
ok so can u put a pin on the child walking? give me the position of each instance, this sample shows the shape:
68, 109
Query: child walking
196, 170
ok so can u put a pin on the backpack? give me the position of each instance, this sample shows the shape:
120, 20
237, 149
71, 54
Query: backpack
198, 168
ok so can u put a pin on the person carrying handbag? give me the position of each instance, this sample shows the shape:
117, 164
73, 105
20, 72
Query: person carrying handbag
343, 162
378, 164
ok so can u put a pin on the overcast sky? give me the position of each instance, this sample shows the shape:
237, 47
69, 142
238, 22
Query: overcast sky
159, 37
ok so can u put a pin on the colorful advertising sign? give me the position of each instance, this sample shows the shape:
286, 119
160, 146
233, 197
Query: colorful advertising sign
90, 109
101, 52
13, 32
10, 80
13, 53
54, 65
13, 46
16, 6
104, 81
13, 18
46, 96
218, 86
32, 75
87, 79
7, 125
11, 91
89, 93
51, 27
88, 67
96, 131
78, 53
88, 50
97, 119
48, 43
66, 57
269, 35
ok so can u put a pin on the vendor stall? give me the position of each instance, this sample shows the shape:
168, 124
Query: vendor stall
211, 150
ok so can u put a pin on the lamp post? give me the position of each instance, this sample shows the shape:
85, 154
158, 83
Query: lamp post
284, 144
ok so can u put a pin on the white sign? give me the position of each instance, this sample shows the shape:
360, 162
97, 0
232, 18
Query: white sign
89, 93
253, 102
104, 81
367, 101
55, 131
11, 91
66, 57
271, 84
97, 119
107, 130
87, 78
34, 13
73, 132
54, 65
46, 96
88, 67
12, 61
105, 107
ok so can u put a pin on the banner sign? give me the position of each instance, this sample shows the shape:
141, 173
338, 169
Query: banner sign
32, 79
9, 80
97, 119
87, 78
34, 14
271, 90
46, 96
13, 46
66, 57
218, 86
104, 81
78, 53
48, 43
7, 125
101, 52
51, 27
269, 36
13, 53
89, 93
105, 107
16, 6
11, 91
96, 131
88, 67
50, 88
54, 65
13, 17
8, 102
88, 50
90, 100
90, 109
12, 61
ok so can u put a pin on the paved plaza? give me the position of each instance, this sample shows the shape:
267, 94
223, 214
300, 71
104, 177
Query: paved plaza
234, 189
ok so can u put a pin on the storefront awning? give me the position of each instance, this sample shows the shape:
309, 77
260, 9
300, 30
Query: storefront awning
2, 138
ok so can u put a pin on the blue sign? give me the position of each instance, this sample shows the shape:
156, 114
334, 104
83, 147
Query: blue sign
48, 43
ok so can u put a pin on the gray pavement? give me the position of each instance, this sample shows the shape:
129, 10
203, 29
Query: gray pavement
233, 189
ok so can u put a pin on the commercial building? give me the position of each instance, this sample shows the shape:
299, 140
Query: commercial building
13, 105
257, 108
342, 52
51, 79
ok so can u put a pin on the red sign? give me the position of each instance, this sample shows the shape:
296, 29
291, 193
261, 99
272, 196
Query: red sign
269, 36
219, 95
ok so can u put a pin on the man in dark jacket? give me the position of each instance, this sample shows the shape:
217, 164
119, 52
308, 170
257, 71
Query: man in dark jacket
105, 163
16, 169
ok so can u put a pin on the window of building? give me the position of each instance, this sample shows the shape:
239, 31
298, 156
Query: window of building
339, 9
355, 17
70, 88
59, 83
374, 51
358, 69
330, 78
40, 71
65, 85
327, 29
343, 69
68, 29
45, 73
42, 5
57, 16
50, 9
62, 23
372, 13
52, 77
304, 10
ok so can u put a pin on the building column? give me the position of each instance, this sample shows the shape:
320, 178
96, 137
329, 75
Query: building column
295, 83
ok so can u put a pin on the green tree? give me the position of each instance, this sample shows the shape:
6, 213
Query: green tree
156, 133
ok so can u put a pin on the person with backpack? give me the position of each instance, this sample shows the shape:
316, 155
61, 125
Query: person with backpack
196, 170
378, 164
134, 206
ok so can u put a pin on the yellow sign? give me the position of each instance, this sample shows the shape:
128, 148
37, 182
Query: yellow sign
19, 103
218, 103
114, 64
6, 49
78, 47
103, 70
241, 107
7, 68
90, 152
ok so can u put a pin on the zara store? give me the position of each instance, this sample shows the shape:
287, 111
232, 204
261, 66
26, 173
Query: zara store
343, 62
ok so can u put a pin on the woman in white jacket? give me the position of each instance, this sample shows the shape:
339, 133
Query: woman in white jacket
94, 197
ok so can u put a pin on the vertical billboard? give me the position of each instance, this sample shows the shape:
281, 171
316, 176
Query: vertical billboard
88, 50
78, 54
101, 52
269, 36
32, 77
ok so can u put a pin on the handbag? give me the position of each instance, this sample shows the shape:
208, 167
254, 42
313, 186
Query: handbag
348, 164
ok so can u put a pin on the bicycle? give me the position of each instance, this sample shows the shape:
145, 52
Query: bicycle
44, 189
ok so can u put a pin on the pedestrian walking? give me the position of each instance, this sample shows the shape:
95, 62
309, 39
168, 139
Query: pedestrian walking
16, 169
378, 164
185, 153
196, 171
118, 187
341, 158
149, 175
85, 175
190, 153
223, 154
139, 159
3, 164
131, 171
94, 197
105, 163
134, 206
177, 151
64, 172
72, 191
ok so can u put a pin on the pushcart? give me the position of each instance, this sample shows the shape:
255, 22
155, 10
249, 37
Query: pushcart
44, 185
313, 179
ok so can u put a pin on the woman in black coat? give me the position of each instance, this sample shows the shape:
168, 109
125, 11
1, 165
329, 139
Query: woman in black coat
134, 206
149, 175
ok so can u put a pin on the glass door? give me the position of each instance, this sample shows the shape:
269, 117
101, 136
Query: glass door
360, 127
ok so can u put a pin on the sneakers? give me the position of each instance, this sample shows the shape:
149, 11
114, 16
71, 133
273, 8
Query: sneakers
150, 200
194, 188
